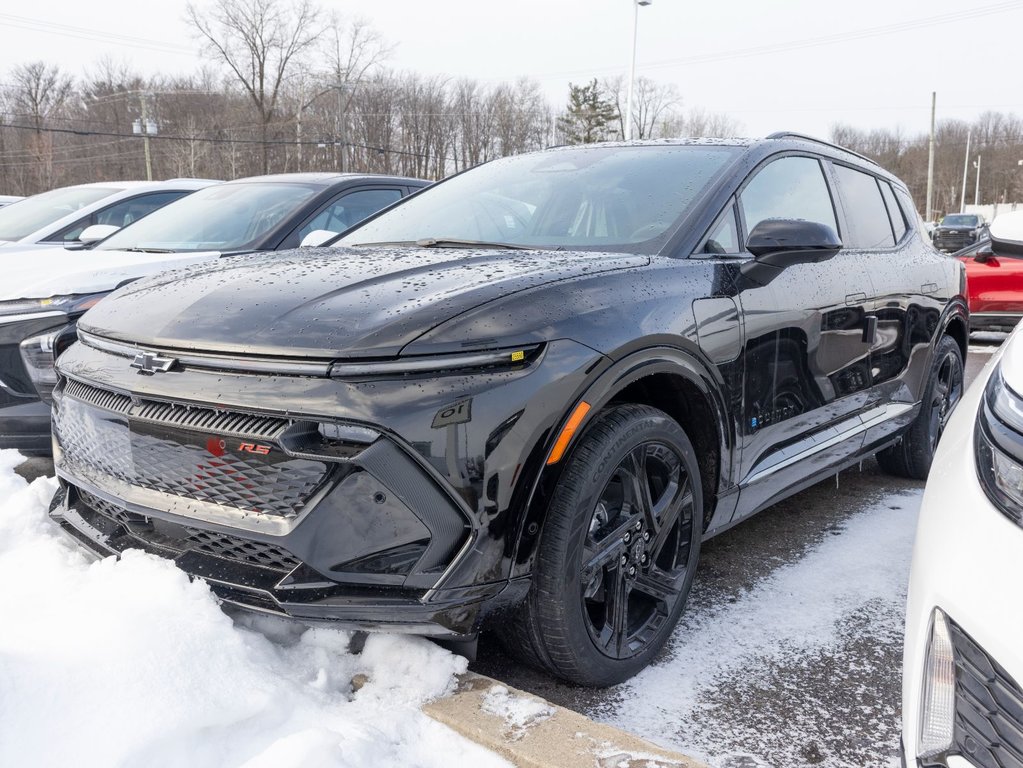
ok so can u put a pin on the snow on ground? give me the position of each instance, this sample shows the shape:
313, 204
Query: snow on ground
129, 663
808, 639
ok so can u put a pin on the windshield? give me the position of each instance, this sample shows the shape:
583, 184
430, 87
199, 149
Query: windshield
606, 198
24, 217
960, 220
225, 217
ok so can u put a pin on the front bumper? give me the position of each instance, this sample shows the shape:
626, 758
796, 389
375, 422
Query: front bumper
412, 526
25, 426
967, 562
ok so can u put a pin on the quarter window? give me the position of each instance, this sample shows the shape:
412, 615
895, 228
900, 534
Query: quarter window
898, 220
724, 237
789, 188
869, 226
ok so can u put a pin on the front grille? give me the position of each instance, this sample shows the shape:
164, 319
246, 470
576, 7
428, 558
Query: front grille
953, 241
161, 449
183, 538
989, 707
175, 415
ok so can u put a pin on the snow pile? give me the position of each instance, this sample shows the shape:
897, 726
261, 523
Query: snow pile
518, 712
129, 663
824, 622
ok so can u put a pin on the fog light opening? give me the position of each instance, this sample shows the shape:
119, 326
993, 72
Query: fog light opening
937, 714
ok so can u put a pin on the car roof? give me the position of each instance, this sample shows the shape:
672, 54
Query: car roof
326, 178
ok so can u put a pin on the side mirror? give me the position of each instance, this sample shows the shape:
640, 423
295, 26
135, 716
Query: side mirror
780, 243
317, 237
97, 232
984, 255
1006, 233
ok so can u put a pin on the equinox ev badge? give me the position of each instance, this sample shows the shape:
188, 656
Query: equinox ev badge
149, 363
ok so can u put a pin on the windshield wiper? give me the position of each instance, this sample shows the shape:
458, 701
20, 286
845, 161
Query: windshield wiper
447, 242
148, 250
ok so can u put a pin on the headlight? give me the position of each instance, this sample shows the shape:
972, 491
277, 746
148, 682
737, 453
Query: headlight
74, 304
39, 354
514, 357
998, 440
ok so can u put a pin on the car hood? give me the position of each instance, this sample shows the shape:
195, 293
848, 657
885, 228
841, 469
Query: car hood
327, 302
55, 271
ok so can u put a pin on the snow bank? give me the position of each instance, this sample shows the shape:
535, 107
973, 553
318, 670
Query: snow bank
129, 663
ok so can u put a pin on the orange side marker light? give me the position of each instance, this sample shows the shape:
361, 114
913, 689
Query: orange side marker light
568, 431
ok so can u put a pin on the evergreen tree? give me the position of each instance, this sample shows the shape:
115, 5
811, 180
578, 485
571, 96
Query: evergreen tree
590, 115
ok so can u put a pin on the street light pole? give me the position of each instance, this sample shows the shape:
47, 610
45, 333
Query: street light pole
966, 167
632, 67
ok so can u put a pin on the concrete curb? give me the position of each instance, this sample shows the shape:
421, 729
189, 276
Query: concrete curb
531, 732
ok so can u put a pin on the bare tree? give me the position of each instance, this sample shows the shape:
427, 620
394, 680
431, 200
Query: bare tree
259, 41
41, 92
653, 104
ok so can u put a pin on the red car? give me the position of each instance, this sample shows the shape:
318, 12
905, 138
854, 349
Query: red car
994, 275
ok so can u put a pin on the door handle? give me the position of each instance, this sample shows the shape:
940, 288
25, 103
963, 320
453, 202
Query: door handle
852, 299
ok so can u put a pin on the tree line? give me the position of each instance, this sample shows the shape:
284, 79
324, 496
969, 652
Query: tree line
994, 137
286, 86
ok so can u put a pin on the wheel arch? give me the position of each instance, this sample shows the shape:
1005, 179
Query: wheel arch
669, 379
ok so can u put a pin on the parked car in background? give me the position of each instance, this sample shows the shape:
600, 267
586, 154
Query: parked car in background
994, 279
8, 199
42, 295
60, 216
963, 669
958, 230
525, 396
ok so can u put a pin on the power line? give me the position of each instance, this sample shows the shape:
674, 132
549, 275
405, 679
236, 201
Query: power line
85, 33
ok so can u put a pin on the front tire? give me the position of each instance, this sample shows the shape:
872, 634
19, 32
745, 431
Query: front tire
618, 551
912, 456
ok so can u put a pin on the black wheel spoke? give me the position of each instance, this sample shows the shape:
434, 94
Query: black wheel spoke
598, 554
635, 465
616, 628
659, 585
678, 508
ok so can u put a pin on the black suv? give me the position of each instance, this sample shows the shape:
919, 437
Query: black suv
523, 397
958, 230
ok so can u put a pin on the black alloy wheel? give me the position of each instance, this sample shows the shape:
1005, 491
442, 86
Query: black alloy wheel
913, 454
618, 551
636, 553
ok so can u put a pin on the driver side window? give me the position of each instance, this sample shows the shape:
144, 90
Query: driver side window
789, 188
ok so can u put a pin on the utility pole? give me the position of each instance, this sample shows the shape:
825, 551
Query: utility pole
966, 167
930, 159
145, 128
976, 194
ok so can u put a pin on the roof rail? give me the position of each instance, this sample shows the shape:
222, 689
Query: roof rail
804, 137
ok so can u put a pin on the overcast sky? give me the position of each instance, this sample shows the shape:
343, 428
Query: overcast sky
769, 64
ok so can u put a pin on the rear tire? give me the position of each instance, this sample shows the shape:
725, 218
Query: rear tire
618, 551
912, 456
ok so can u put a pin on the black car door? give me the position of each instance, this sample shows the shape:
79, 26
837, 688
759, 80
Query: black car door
806, 374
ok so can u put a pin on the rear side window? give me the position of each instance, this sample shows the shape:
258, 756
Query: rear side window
869, 226
894, 212
120, 214
789, 188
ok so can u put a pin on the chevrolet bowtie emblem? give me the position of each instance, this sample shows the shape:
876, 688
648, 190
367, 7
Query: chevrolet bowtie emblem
149, 363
